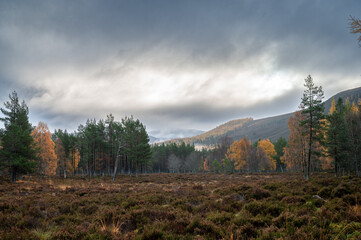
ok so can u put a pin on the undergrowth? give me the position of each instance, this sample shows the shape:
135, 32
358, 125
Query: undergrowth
183, 206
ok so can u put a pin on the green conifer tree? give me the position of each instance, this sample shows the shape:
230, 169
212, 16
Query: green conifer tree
17, 153
312, 109
336, 137
136, 146
279, 146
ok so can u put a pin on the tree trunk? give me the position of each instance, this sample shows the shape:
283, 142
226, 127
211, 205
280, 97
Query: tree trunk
13, 174
136, 169
308, 164
116, 163
357, 173
309, 149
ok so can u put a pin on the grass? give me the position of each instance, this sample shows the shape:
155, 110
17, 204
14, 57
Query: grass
182, 206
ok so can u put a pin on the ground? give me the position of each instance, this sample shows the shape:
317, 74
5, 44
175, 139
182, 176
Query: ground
182, 206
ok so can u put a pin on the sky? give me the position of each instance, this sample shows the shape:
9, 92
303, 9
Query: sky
175, 65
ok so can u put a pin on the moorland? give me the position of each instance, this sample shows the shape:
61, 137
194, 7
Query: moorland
182, 206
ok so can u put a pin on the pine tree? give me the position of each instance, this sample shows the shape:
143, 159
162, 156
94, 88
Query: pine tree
17, 153
63, 163
279, 146
312, 109
336, 137
135, 142
64, 143
353, 124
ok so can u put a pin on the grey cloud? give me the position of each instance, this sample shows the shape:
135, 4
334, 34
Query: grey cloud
206, 116
111, 39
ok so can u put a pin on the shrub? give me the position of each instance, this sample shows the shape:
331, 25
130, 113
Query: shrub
66, 209
248, 231
264, 208
325, 192
342, 189
349, 199
153, 234
219, 218
260, 194
293, 200
89, 209
271, 187
204, 228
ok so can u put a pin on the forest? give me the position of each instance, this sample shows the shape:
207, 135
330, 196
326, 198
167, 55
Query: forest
109, 147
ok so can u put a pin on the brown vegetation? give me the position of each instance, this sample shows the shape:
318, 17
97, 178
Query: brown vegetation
182, 206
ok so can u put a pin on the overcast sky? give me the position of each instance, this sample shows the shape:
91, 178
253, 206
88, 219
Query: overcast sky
173, 64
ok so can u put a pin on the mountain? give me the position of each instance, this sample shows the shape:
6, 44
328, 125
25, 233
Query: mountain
153, 139
271, 127
210, 137
156, 136
353, 95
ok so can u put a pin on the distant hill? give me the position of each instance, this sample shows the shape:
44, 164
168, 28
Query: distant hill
153, 139
210, 137
271, 127
353, 95
157, 136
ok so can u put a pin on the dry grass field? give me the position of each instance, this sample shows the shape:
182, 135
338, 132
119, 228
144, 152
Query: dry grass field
183, 206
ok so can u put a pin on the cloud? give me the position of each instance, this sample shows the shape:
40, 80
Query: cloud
180, 64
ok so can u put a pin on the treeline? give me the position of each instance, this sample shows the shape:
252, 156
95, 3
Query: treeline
228, 156
103, 147
242, 156
176, 158
338, 146
317, 142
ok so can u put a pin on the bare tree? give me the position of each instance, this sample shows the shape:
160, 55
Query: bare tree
355, 25
193, 162
174, 163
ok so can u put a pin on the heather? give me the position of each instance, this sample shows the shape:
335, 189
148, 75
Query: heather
182, 206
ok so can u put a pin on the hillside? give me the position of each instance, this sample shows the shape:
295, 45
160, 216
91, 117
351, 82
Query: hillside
271, 127
211, 137
353, 95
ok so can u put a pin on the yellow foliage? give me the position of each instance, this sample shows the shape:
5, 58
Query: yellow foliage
206, 165
333, 106
354, 108
270, 151
295, 153
47, 158
76, 159
238, 153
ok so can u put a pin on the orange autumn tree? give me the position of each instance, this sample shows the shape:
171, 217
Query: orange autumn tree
76, 159
295, 152
206, 167
333, 106
238, 153
47, 162
270, 151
